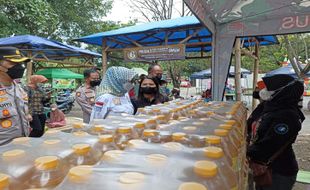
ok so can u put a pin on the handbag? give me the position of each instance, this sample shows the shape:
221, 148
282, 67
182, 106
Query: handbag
262, 173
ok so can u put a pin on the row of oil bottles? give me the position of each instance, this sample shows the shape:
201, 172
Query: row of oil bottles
181, 145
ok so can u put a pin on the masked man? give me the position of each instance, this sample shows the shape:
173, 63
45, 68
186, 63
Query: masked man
85, 94
14, 116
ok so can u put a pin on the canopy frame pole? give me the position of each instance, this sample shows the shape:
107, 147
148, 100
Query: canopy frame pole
29, 67
238, 69
255, 72
104, 56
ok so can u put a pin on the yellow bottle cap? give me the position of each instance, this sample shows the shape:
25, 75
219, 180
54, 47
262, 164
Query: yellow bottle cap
212, 139
13, 153
77, 125
21, 140
98, 128
221, 132
225, 126
205, 168
140, 125
80, 174
151, 122
209, 113
192, 112
124, 130
46, 162
178, 136
51, 141
230, 122
161, 117
213, 152
156, 110
80, 133
4, 180
150, 133
106, 138
81, 149
192, 186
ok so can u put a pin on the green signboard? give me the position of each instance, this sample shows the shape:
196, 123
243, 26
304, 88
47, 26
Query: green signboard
63, 83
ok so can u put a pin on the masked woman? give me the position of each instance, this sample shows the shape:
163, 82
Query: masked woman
275, 130
112, 93
148, 94
37, 97
57, 118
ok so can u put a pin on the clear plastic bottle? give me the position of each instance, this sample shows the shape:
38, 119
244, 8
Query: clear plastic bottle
209, 171
151, 124
77, 127
48, 172
4, 181
151, 136
161, 119
105, 143
98, 129
216, 154
138, 129
155, 111
83, 155
141, 111
123, 135
180, 138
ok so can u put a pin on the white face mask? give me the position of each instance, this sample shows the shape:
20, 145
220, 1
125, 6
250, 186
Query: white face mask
128, 86
266, 95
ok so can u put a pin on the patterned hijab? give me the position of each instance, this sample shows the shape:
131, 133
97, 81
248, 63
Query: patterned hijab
114, 80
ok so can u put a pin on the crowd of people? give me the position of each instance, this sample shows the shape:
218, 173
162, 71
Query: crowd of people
272, 127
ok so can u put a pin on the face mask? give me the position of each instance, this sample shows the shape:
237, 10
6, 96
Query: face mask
128, 86
94, 83
256, 95
16, 72
148, 90
158, 77
53, 109
266, 95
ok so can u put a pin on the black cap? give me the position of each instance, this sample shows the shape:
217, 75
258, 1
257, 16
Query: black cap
277, 81
12, 54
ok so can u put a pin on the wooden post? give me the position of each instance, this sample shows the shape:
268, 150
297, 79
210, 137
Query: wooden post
29, 67
238, 69
104, 57
255, 73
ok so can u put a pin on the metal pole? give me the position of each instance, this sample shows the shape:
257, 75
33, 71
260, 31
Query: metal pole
255, 73
238, 69
29, 67
104, 57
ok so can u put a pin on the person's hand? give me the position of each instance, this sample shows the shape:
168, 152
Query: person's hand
29, 117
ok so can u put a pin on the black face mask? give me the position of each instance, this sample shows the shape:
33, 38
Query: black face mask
94, 83
158, 77
148, 90
16, 72
256, 95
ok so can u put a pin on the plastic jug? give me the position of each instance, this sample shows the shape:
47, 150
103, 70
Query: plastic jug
151, 136
4, 181
123, 135
83, 155
138, 129
105, 143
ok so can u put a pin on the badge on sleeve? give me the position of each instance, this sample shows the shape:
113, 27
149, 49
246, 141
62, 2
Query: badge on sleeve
6, 123
78, 94
281, 128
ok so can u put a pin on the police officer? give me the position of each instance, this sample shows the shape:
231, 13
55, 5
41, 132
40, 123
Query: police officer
276, 130
85, 94
14, 117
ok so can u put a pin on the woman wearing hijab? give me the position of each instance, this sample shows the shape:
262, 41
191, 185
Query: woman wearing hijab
36, 98
57, 118
112, 94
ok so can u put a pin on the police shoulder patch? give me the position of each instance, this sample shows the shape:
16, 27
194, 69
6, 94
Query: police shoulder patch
281, 128
78, 94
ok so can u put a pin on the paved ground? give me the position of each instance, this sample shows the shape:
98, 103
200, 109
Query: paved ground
301, 146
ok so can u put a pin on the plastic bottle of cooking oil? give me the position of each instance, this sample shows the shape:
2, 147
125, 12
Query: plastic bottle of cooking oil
209, 171
123, 135
151, 124
4, 181
83, 155
105, 143
77, 127
151, 136
138, 129
49, 172
216, 154
180, 138
161, 119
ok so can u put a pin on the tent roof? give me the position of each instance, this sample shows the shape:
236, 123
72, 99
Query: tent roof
59, 74
50, 48
155, 33
207, 73
287, 70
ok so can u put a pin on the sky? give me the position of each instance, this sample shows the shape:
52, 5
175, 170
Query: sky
121, 12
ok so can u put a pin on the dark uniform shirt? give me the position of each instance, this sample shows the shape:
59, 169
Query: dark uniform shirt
145, 102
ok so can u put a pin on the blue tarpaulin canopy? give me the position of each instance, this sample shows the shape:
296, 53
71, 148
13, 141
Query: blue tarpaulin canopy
50, 48
204, 74
171, 31
287, 70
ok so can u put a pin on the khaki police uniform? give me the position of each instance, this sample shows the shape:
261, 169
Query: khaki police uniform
85, 97
13, 112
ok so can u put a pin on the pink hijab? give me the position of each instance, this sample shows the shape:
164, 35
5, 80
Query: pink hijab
57, 115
